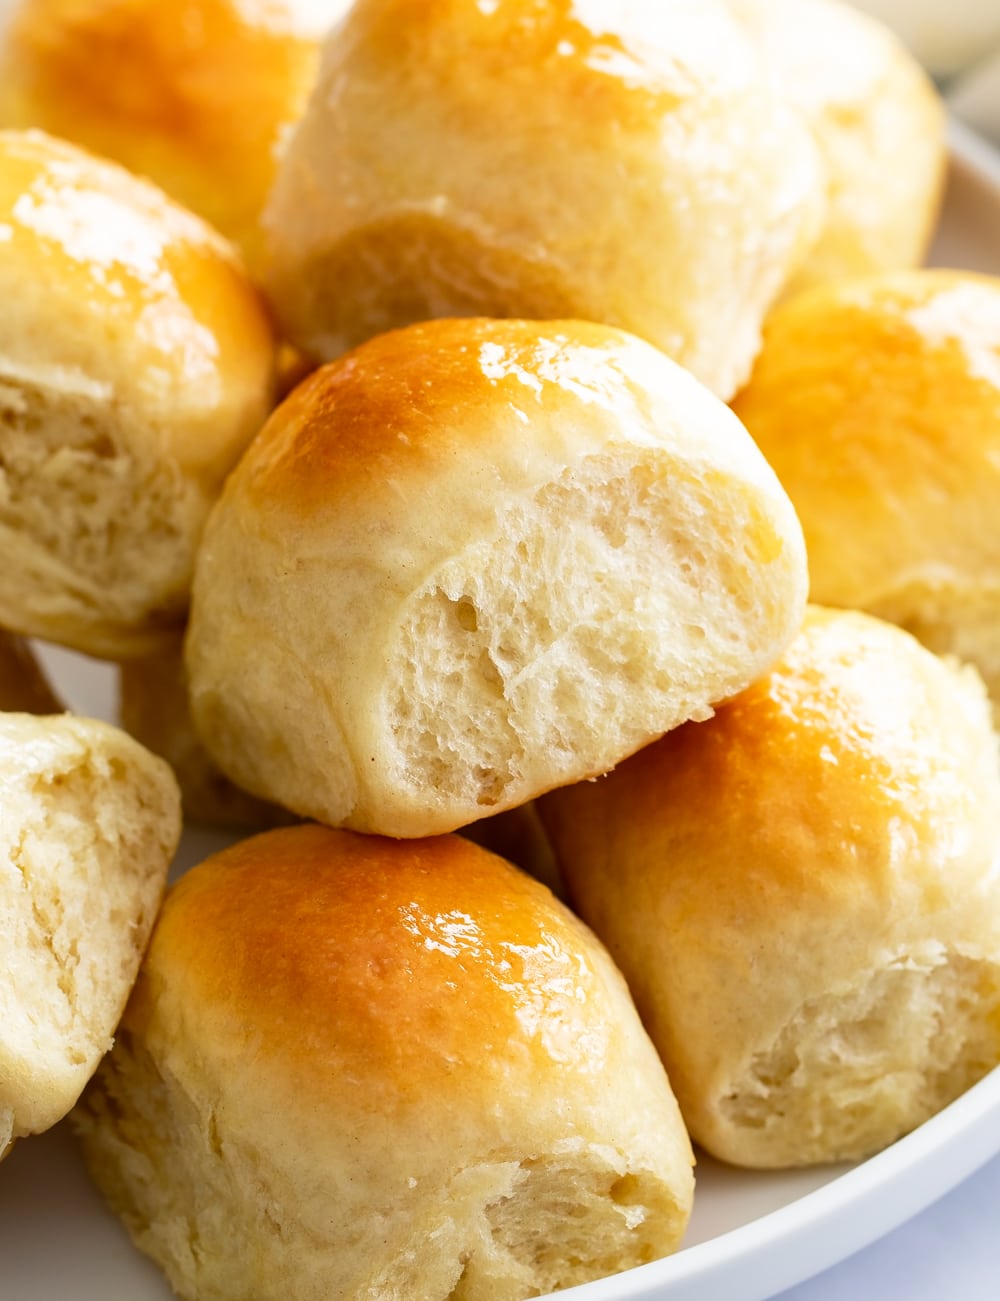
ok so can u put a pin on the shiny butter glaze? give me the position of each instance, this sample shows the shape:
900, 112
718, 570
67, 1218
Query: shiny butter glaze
427, 398
878, 404
120, 246
654, 55
824, 785
397, 964
195, 95
118, 293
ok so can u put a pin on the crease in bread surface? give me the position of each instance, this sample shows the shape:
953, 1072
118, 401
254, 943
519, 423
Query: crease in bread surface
476, 560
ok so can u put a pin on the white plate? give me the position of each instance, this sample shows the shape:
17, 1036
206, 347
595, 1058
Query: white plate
751, 1235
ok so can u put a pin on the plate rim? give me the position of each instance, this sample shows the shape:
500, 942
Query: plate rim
828, 1224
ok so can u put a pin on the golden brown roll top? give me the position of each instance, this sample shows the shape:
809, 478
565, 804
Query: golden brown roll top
196, 96
877, 120
89, 824
376, 1066
802, 893
135, 365
24, 687
618, 162
877, 402
473, 560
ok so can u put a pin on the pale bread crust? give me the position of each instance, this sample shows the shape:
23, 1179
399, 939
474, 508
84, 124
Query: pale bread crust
879, 124
154, 707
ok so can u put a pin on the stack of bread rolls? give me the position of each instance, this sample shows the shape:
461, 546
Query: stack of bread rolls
409, 503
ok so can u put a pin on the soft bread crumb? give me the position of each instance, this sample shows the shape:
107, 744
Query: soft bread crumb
68, 478
851, 1071
498, 1231
570, 643
90, 824
476, 560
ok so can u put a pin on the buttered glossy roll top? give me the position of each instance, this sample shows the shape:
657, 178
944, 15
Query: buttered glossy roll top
473, 560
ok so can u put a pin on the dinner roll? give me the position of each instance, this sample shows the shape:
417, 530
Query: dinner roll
89, 824
153, 707
474, 560
196, 96
618, 162
878, 404
804, 898
879, 125
440, 1087
135, 365
24, 687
